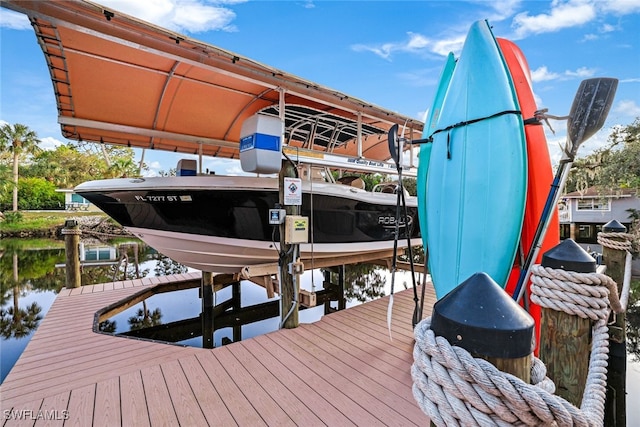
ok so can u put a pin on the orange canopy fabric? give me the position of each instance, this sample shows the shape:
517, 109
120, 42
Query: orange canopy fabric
119, 80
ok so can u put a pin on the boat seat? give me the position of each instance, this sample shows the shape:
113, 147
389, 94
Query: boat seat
353, 181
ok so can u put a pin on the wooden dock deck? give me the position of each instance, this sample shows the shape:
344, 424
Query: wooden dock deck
342, 370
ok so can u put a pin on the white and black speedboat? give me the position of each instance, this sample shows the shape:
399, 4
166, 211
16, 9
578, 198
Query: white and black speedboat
221, 223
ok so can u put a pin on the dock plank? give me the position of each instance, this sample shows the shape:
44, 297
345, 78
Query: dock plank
341, 370
214, 409
329, 391
132, 400
241, 409
157, 396
107, 410
263, 403
184, 401
22, 414
296, 385
53, 411
288, 401
81, 404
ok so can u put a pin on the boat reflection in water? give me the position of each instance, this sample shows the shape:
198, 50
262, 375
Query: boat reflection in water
241, 309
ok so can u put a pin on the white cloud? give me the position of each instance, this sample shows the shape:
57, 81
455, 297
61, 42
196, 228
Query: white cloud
627, 107
179, 15
50, 143
444, 46
542, 74
415, 43
619, 7
13, 20
582, 72
563, 14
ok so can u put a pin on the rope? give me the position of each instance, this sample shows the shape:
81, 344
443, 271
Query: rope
624, 244
607, 239
579, 294
453, 388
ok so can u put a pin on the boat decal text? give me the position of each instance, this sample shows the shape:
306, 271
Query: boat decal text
389, 221
162, 198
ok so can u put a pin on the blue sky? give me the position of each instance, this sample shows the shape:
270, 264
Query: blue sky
385, 52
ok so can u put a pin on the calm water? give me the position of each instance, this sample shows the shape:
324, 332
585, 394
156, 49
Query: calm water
30, 282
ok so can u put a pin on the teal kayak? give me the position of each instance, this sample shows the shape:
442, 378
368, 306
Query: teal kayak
425, 149
477, 175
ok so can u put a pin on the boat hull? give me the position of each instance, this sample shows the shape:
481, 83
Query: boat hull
221, 224
476, 182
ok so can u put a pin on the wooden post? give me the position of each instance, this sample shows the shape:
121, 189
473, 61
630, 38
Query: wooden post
236, 297
615, 406
342, 301
479, 316
71, 233
206, 292
287, 286
565, 339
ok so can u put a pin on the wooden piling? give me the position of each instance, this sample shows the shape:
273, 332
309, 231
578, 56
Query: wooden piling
206, 291
288, 289
565, 344
615, 406
565, 341
491, 326
71, 233
484, 320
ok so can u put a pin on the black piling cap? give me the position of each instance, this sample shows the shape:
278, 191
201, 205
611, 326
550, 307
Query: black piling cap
569, 256
614, 226
482, 318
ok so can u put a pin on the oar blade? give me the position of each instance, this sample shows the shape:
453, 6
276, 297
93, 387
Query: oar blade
589, 110
392, 139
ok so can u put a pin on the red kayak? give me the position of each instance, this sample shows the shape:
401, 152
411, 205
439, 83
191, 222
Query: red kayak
540, 173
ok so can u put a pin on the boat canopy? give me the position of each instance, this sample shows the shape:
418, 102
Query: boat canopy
119, 80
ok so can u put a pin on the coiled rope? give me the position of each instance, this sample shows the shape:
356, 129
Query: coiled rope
453, 388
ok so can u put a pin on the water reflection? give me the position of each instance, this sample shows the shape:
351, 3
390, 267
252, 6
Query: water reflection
29, 282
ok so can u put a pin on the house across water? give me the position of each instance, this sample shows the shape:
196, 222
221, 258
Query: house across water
583, 213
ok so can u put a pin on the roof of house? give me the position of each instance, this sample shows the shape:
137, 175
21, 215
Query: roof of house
596, 192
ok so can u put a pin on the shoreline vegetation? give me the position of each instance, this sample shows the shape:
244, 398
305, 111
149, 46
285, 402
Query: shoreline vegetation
48, 224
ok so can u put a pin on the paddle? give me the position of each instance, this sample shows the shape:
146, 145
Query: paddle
588, 112
395, 148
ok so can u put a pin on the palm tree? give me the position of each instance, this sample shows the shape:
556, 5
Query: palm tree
18, 139
145, 318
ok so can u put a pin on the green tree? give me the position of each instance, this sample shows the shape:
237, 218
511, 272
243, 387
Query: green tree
21, 142
145, 318
69, 165
617, 165
114, 161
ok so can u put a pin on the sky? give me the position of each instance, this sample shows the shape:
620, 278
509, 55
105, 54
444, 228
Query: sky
389, 53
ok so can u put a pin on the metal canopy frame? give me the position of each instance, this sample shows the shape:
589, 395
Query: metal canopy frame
119, 80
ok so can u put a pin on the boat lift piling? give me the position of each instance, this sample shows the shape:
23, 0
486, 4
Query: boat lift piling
614, 257
71, 233
288, 286
208, 303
